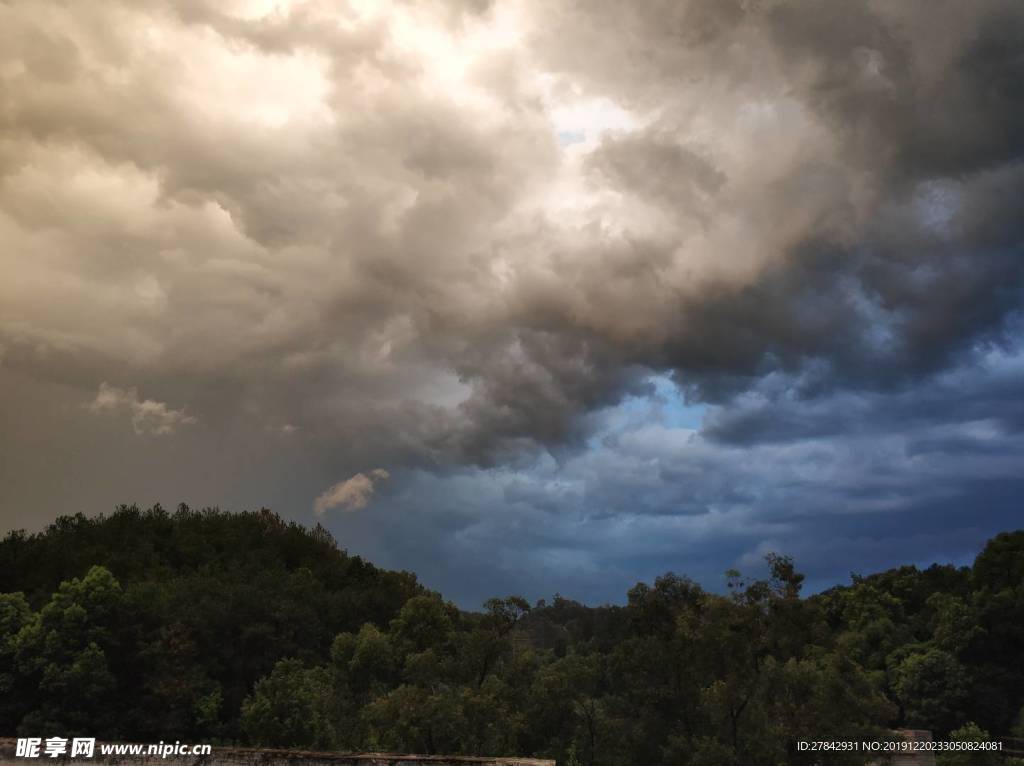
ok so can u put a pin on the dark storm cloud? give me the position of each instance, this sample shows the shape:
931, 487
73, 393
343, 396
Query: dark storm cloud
812, 187
846, 483
447, 236
907, 245
983, 387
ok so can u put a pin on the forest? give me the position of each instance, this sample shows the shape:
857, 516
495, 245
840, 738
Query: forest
208, 626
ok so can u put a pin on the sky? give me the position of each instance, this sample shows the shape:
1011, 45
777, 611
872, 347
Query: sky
525, 297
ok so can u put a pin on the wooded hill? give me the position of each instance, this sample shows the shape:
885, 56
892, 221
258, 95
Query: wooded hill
209, 626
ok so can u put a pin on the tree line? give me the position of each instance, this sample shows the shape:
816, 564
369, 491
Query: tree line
209, 626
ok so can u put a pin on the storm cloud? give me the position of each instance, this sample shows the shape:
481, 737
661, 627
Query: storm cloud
458, 241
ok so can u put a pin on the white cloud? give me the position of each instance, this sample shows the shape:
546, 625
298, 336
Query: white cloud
352, 494
148, 416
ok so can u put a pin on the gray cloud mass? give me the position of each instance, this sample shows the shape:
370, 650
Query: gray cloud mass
451, 239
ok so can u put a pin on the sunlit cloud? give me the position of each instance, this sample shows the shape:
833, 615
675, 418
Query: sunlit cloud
352, 494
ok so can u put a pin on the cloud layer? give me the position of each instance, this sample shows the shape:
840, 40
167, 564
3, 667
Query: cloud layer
450, 238
351, 494
148, 417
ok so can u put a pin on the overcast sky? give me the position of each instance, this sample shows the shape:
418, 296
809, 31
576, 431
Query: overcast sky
522, 296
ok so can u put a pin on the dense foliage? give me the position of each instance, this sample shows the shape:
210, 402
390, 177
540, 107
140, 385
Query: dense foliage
161, 623
209, 626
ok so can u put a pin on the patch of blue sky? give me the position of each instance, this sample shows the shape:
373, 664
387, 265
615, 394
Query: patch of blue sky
937, 203
568, 137
665, 407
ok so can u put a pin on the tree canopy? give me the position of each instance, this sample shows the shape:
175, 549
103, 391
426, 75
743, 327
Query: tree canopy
243, 628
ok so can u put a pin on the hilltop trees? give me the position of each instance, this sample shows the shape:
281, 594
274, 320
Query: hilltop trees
995, 652
152, 624
697, 678
210, 626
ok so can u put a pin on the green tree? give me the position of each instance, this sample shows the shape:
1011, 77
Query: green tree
969, 732
998, 674
423, 622
290, 708
488, 641
64, 651
15, 614
932, 687
954, 623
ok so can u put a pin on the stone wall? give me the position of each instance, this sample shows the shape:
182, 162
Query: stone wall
232, 756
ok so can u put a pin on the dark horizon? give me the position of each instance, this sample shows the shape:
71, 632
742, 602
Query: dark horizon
717, 585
